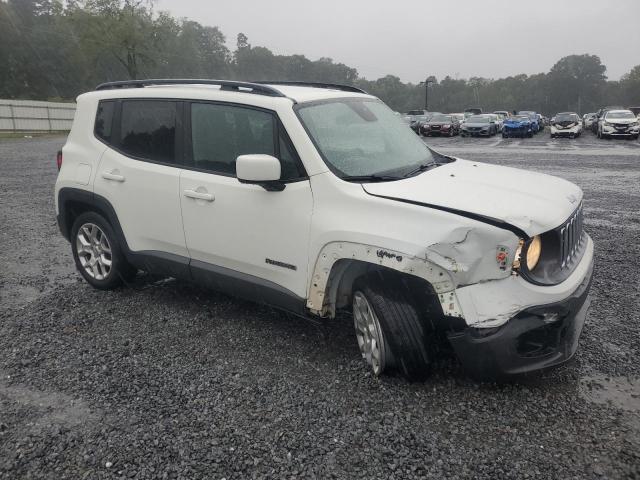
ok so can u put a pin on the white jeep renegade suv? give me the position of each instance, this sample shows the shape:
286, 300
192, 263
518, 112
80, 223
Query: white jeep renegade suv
315, 198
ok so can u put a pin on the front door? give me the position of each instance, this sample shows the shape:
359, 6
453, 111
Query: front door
239, 229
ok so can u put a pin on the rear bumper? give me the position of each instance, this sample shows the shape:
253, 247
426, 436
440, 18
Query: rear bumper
537, 338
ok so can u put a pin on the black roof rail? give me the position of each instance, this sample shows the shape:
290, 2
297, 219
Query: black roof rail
330, 86
248, 87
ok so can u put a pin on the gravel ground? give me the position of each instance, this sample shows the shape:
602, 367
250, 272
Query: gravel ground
166, 380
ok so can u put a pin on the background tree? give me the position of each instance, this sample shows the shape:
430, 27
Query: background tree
58, 49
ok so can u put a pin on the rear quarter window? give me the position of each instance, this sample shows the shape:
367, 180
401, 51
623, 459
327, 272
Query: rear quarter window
104, 120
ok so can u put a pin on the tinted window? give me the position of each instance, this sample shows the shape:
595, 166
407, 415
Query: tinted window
220, 133
148, 129
288, 160
104, 120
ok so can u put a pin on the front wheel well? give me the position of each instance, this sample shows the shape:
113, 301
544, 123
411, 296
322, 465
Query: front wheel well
346, 272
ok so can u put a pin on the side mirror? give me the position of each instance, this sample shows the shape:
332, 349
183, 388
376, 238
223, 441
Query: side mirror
258, 169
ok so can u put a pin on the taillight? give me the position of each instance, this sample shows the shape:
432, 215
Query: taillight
59, 159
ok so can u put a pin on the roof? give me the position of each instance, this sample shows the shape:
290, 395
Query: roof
199, 88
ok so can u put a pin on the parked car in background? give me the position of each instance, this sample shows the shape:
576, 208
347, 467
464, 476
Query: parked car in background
587, 120
619, 123
635, 110
460, 116
473, 111
533, 116
597, 124
541, 121
416, 118
566, 124
441, 124
517, 126
479, 126
417, 121
497, 119
505, 113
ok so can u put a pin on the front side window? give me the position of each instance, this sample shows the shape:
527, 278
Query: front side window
104, 120
148, 129
221, 133
360, 137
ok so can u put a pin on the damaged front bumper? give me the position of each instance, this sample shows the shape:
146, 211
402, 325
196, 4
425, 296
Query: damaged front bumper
535, 337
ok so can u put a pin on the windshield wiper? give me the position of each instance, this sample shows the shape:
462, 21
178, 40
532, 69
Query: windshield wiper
370, 178
423, 167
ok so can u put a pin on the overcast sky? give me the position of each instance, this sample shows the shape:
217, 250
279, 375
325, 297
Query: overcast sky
413, 39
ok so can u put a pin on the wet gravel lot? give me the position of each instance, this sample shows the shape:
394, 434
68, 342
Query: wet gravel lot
166, 380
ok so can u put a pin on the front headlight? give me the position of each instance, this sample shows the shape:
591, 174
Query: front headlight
534, 250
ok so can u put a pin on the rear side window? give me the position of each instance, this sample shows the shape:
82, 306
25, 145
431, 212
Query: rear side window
104, 120
148, 129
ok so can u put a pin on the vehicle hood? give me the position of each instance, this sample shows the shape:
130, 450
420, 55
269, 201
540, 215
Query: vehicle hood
532, 202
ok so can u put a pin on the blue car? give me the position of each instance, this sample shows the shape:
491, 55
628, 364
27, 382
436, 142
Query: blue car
533, 116
518, 126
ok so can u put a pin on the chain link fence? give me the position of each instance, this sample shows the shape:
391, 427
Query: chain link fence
35, 116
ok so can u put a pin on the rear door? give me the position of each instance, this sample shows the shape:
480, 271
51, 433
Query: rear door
139, 174
236, 228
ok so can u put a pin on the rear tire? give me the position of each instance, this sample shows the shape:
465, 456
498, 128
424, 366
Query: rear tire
402, 335
97, 253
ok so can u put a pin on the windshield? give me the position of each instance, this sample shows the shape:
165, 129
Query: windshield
520, 118
441, 118
566, 117
621, 115
477, 119
415, 112
361, 137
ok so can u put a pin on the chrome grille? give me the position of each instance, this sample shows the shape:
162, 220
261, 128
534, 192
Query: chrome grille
571, 236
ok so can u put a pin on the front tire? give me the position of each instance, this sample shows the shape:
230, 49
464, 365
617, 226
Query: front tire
389, 327
97, 253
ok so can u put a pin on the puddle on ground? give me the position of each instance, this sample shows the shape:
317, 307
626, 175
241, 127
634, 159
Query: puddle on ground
619, 392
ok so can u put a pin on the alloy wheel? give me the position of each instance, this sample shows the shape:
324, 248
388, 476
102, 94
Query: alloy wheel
94, 251
368, 333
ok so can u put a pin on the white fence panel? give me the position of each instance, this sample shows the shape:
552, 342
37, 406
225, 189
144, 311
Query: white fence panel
35, 116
